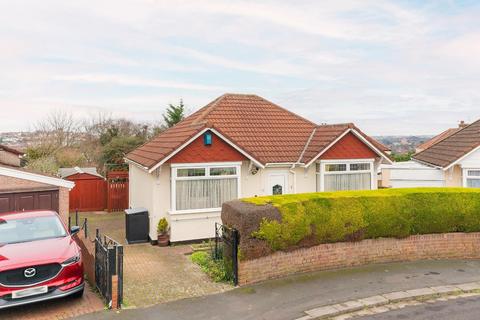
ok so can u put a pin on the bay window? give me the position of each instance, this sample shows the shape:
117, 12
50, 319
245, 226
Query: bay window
472, 178
337, 175
204, 187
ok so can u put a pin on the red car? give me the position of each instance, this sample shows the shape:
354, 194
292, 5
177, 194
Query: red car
39, 259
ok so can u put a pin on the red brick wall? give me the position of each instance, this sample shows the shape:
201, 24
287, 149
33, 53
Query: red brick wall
198, 152
88, 256
349, 254
349, 147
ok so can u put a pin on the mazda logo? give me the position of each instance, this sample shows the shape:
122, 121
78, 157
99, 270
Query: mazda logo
30, 272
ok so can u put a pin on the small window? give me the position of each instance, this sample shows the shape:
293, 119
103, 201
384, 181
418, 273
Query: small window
336, 167
360, 167
277, 189
228, 171
473, 173
191, 172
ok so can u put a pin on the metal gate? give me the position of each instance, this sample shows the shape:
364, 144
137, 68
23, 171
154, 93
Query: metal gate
108, 263
226, 249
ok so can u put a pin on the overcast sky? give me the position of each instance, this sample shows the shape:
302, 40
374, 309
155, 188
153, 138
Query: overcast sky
392, 67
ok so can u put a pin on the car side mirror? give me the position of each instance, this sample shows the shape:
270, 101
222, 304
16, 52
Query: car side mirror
74, 230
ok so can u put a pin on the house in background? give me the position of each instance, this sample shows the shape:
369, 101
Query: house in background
445, 134
451, 160
10, 156
21, 189
244, 146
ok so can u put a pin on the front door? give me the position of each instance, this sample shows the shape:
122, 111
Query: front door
277, 183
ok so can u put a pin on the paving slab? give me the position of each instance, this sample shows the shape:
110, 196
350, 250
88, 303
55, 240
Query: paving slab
445, 289
469, 286
328, 311
374, 301
349, 306
396, 296
420, 292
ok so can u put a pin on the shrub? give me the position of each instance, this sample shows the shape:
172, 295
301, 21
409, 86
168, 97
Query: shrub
356, 215
214, 268
162, 226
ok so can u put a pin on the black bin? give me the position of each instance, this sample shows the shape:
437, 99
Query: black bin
136, 225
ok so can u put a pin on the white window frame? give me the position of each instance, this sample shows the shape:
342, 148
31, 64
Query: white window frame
207, 167
466, 176
323, 163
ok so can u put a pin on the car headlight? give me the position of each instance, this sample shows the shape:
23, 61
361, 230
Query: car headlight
71, 260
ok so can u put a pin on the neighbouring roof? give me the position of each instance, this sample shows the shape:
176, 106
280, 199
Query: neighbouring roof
445, 152
22, 173
11, 150
67, 172
265, 131
445, 134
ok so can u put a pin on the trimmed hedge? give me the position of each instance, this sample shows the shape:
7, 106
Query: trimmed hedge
316, 218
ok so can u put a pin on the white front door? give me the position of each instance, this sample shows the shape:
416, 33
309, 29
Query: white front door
277, 183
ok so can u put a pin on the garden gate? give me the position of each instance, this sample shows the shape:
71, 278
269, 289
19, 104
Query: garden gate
117, 190
226, 248
109, 266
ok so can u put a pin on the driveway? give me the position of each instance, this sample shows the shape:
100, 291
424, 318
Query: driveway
153, 275
288, 298
64, 308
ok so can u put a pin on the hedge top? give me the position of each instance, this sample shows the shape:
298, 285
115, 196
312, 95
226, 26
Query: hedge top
279, 201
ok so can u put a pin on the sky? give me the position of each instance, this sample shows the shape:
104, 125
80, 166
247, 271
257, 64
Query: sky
391, 67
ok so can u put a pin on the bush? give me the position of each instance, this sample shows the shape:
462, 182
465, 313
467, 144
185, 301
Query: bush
356, 215
214, 268
162, 226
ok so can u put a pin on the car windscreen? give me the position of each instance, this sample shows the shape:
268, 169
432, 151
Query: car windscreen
30, 229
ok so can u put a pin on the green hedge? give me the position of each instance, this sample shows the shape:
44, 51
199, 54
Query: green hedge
356, 215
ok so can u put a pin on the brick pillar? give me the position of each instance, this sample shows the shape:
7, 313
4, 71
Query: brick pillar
115, 292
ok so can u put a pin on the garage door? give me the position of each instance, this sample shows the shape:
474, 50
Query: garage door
22, 201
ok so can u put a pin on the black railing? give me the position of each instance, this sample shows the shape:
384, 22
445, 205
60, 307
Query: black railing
108, 263
83, 226
226, 249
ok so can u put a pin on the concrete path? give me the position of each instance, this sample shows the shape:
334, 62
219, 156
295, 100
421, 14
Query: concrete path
288, 298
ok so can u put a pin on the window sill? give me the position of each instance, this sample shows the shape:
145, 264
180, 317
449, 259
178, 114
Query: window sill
193, 211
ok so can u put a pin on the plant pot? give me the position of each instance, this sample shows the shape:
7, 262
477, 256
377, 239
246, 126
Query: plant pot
163, 240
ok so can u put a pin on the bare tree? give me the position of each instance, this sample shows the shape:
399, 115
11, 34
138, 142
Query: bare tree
58, 129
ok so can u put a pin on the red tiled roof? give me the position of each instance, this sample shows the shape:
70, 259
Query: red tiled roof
452, 148
262, 129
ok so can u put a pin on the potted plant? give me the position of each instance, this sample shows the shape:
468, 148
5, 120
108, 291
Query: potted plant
162, 233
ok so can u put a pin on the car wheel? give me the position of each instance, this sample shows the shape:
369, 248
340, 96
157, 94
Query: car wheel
78, 294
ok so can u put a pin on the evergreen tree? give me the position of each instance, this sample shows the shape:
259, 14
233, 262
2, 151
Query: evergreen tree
174, 114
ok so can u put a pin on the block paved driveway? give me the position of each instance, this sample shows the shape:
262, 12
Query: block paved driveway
59, 309
153, 275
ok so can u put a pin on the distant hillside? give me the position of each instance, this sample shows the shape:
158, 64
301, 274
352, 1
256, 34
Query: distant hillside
402, 144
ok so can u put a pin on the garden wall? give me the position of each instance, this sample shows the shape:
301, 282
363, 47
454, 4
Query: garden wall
349, 254
88, 256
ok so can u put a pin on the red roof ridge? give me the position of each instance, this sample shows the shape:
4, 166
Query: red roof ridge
208, 108
284, 109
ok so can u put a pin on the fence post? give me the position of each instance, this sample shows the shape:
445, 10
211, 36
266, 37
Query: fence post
85, 226
69, 223
216, 242
120, 275
76, 217
235, 256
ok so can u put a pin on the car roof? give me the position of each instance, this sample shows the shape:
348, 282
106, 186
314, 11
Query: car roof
27, 214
